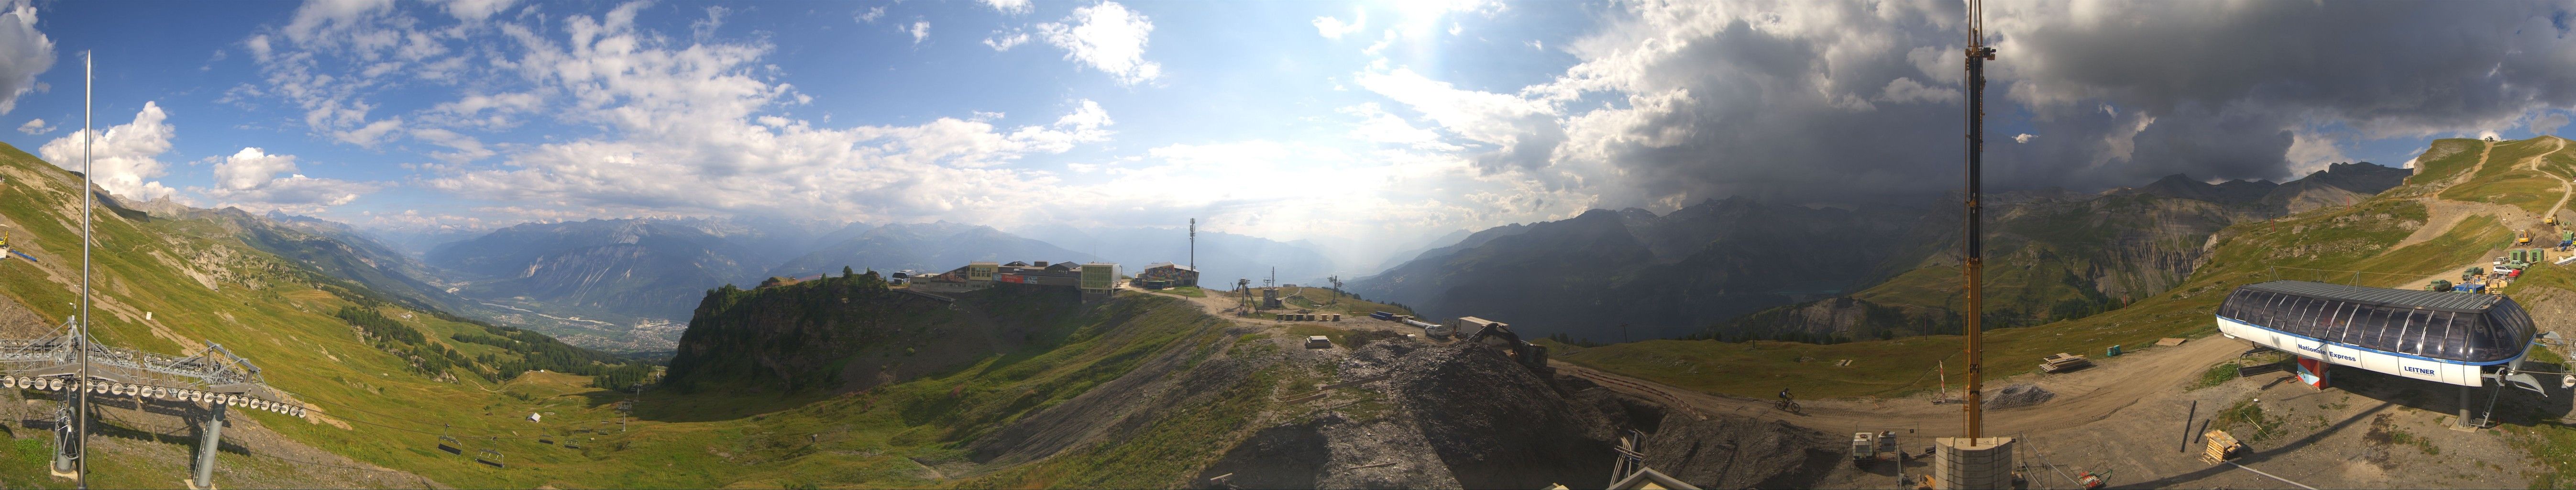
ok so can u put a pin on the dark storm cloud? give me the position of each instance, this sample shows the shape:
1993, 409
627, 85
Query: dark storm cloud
1830, 102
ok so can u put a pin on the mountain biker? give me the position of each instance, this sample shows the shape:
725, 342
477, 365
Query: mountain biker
1784, 397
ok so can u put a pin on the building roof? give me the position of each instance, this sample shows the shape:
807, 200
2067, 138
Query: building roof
1479, 321
2402, 298
1159, 265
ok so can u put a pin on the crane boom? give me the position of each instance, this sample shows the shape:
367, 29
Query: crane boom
1977, 55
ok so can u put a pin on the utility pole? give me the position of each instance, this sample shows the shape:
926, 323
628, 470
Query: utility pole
1194, 247
1337, 287
1978, 53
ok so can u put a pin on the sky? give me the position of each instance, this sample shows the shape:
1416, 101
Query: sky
1369, 122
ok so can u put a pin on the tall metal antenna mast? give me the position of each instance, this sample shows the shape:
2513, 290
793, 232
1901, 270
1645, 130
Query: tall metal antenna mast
1194, 246
80, 338
1978, 53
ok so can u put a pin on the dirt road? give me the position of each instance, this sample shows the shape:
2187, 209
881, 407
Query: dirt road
2083, 397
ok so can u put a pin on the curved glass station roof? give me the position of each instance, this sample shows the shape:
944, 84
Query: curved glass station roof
2457, 327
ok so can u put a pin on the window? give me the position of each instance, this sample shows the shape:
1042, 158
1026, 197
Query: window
2480, 339
2260, 311
2294, 316
2371, 331
2304, 316
2235, 305
2454, 342
2331, 322
2271, 310
2433, 328
2371, 326
2397, 337
2502, 336
2343, 321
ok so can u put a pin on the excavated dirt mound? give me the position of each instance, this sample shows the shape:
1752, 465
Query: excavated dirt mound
2020, 395
1462, 416
1742, 452
1498, 425
1285, 456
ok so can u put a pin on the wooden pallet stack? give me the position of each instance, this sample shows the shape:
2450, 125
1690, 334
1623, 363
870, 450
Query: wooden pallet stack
2222, 447
2063, 362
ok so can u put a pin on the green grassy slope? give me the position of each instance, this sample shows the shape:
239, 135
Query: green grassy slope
2360, 237
202, 285
760, 437
2503, 181
383, 410
2047, 260
2446, 158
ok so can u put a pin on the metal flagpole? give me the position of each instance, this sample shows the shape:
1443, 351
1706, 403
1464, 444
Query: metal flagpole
80, 338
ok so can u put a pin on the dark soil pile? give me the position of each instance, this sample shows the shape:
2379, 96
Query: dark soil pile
1742, 452
1284, 456
2020, 395
1495, 424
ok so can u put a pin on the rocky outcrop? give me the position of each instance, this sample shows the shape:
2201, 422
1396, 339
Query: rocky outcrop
846, 333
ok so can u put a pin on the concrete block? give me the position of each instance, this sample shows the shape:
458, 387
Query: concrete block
1982, 463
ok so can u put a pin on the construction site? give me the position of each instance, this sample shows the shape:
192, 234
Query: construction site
2289, 377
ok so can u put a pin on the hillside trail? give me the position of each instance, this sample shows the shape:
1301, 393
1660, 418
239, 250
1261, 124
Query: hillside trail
2449, 213
2083, 397
2566, 190
2442, 214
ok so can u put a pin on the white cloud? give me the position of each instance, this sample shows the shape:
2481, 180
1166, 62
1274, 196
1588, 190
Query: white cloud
341, 22
123, 157
1011, 6
1001, 41
37, 126
487, 111
367, 136
870, 15
2312, 151
248, 180
1108, 37
1903, 90
687, 129
24, 52
1474, 114
920, 30
1376, 125
2024, 137
465, 148
2549, 124
702, 29
475, 10
1333, 27
250, 168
